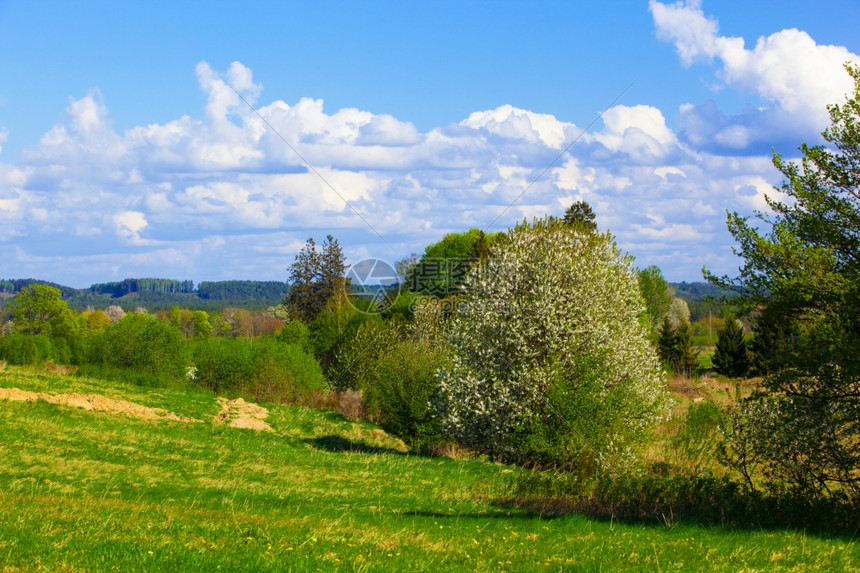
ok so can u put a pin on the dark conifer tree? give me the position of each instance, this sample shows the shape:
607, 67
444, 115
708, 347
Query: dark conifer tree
731, 358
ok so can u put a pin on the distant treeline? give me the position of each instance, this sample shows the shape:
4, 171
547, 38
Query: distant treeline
130, 286
161, 294
702, 298
252, 290
13, 286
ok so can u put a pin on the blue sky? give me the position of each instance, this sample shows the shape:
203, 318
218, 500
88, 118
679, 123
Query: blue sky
126, 154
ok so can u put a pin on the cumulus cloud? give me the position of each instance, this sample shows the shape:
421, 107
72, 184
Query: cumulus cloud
639, 131
129, 224
792, 73
217, 194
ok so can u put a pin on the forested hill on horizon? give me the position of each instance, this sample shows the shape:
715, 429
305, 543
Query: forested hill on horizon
161, 294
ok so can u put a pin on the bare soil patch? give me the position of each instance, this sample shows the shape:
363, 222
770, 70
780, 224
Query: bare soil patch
94, 402
241, 414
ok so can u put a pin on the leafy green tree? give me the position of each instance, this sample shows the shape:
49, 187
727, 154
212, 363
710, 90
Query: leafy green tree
94, 322
803, 276
581, 215
442, 268
731, 356
655, 292
40, 309
400, 394
551, 364
202, 325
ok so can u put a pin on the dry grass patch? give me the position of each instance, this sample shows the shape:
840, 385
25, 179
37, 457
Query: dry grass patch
94, 402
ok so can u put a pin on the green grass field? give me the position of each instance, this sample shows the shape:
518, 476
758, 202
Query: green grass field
89, 490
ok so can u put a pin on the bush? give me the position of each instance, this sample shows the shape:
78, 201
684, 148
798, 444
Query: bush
399, 398
143, 343
551, 361
264, 368
36, 349
356, 361
24, 349
282, 373
695, 445
297, 332
222, 364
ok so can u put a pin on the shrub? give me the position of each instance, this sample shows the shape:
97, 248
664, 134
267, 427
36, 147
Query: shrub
36, 349
698, 438
282, 373
264, 368
143, 343
551, 361
21, 349
297, 332
399, 398
222, 365
356, 360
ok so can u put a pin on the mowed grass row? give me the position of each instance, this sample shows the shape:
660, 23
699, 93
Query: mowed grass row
90, 491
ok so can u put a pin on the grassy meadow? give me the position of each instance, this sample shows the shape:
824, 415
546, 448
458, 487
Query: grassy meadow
95, 490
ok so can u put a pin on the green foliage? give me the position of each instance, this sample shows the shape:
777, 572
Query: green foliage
772, 339
144, 343
335, 325
26, 349
315, 277
297, 332
231, 292
222, 364
655, 293
202, 324
695, 446
582, 216
802, 277
675, 347
265, 369
356, 358
551, 363
282, 373
444, 264
731, 356
40, 309
400, 394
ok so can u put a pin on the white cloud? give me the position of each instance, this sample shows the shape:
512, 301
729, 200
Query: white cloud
129, 224
513, 123
219, 195
787, 69
639, 131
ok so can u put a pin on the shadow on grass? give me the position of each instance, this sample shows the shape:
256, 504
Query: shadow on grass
334, 443
502, 513
682, 500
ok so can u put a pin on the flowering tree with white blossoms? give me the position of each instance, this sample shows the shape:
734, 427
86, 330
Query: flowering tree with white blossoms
552, 364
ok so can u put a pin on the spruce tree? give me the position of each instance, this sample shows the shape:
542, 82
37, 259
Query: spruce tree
731, 358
